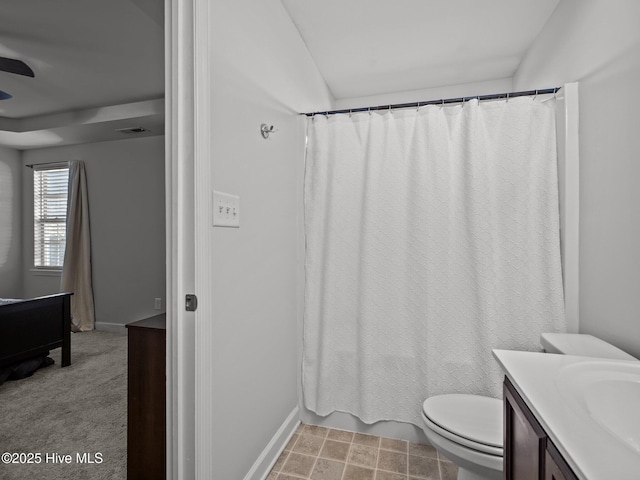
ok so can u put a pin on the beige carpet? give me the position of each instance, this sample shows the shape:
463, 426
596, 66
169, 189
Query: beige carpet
76, 410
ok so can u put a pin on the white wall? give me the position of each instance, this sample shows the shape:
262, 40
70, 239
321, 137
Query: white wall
262, 74
10, 223
597, 43
125, 180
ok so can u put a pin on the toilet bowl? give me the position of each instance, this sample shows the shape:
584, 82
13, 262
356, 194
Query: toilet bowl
467, 429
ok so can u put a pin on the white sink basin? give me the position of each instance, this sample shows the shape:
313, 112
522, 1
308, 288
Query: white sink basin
607, 393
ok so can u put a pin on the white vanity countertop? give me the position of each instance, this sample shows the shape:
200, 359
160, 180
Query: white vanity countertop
592, 451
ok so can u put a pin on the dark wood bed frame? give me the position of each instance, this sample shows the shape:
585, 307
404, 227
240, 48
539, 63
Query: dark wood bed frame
32, 327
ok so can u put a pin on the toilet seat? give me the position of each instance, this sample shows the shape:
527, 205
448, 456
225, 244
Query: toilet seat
469, 420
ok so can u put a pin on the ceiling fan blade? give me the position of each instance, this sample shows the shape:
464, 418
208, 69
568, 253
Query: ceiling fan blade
4, 95
15, 66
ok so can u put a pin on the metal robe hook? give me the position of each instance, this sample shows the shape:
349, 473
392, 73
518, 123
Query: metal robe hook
266, 130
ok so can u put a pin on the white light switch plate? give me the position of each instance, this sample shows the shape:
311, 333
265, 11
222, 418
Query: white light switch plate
226, 210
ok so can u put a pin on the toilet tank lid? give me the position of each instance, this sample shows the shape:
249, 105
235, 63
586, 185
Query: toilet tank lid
581, 344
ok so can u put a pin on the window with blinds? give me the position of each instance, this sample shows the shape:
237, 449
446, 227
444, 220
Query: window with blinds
50, 185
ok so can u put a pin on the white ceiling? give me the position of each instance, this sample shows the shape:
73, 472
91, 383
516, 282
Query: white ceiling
85, 55
89, 54
365, 47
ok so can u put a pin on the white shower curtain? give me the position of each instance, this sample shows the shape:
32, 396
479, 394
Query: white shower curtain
432, 237
76, 270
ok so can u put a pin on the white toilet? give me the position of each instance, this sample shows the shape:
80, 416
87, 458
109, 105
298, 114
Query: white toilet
467, 429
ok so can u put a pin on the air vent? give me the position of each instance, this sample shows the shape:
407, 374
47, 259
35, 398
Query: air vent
133, 130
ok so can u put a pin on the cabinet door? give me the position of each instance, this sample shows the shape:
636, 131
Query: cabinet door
555, 466
524, 439
551, 469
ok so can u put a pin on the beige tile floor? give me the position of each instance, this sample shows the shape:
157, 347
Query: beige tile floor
319, 453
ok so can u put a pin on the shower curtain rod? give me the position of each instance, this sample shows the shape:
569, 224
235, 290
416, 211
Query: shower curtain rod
443, 101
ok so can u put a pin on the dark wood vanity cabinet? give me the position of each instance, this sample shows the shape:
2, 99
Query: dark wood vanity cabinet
146, 404
529, 454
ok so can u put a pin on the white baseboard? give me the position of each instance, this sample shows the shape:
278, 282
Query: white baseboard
267, 459
111, 327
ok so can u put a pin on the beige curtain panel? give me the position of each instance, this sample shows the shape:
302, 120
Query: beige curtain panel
76, 272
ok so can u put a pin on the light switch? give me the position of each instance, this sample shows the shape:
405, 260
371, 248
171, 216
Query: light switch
226, 210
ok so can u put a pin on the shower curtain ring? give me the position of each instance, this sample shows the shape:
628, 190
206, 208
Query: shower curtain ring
369, 111
418, 107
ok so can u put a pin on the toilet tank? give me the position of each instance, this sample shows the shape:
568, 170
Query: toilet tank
581, 344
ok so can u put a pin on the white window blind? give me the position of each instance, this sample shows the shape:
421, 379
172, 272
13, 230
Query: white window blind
50, 185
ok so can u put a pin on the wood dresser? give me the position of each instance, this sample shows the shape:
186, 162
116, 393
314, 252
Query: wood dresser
146, 405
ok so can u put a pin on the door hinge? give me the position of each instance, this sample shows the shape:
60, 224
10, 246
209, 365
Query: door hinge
191, 302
